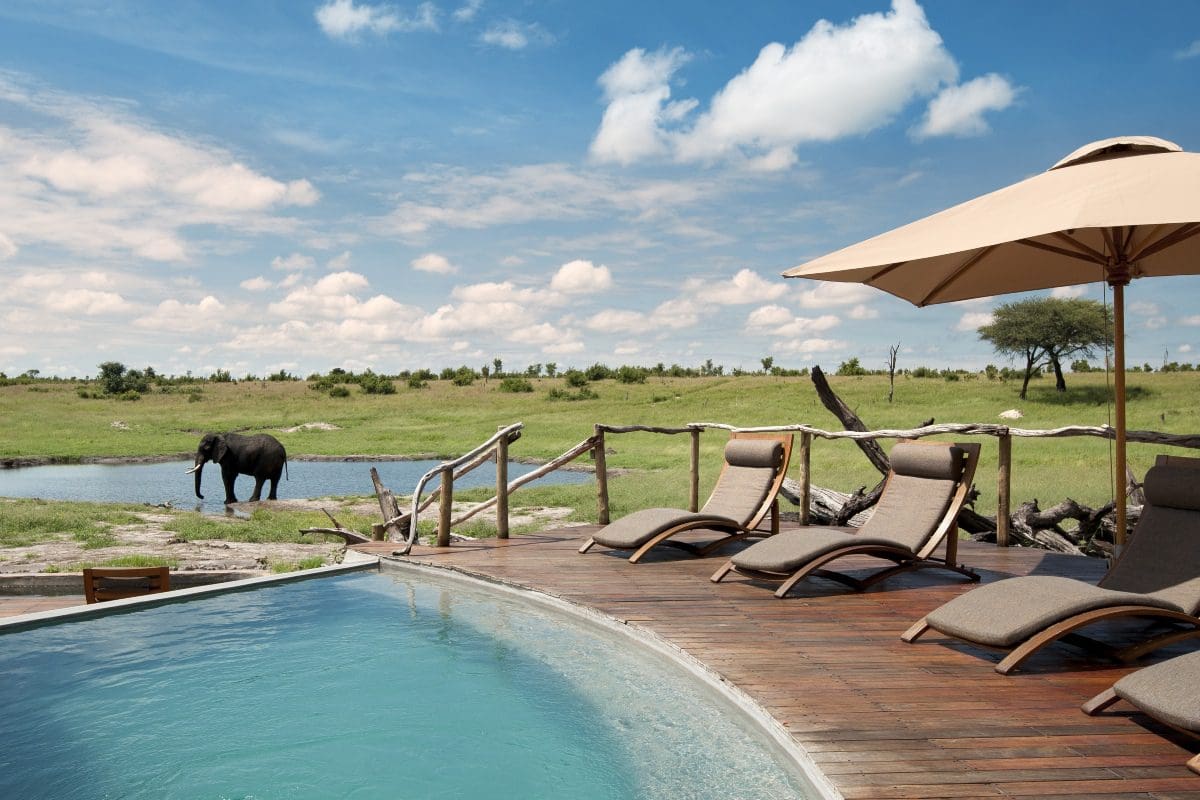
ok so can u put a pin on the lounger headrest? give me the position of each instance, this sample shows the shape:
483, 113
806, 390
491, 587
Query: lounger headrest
762, 453
1173, 487
928, 461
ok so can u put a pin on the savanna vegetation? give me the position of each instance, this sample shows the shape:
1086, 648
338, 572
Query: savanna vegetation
443, 418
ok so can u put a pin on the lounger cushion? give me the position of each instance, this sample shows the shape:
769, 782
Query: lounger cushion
1162, 557
1166, 691
750, 470
635, 529
927, 461
762, 453
788, 551
1006, 613
909, 510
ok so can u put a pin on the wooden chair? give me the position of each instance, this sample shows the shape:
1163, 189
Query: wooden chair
115, 583
1156, 577
746, 491
926, 488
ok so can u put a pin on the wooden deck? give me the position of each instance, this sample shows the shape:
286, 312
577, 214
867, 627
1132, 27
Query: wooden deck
881, 718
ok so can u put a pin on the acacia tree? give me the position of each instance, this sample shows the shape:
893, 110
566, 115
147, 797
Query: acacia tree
1047, 332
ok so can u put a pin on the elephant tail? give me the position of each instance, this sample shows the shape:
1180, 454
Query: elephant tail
285, 471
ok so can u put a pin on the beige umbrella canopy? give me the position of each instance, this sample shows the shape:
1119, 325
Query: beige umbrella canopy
1113, 210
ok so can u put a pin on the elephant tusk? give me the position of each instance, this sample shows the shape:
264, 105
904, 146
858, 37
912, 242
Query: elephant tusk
190, 471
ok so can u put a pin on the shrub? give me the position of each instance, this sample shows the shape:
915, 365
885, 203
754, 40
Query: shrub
515, 385
464, 376
575, 379
598, 372
339, 391
221, 376
562, 394
376, 384
631, 374
130, 395
415, 382
851, 367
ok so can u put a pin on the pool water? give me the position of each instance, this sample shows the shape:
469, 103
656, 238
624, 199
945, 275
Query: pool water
368, 685
165, 482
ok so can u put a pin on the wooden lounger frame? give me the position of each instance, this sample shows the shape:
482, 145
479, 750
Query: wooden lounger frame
1109, 696
735, 532
906, 560
115, 583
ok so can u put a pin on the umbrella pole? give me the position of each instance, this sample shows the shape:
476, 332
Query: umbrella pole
1119, 387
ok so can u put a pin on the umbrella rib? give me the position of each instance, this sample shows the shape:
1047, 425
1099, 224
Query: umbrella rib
1062, 251
952, 277
1080, 246
877, 275
1170, 240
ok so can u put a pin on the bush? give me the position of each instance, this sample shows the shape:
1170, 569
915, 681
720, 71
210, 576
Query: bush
515, 385
851, 367
631, 375
130, 395
339, 391
598, 372
221, 376
376, 384
415, 382
575, 379
464, 376
562, 394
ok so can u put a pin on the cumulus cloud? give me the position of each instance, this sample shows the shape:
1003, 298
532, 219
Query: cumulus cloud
296, 262
467, 12
830, 294
581, 277
339, 262
674, 314
7, 248
974, 320
1068, 292
1191, 51
861, 311
88, 302
256, 284
808, 348
1184, 348
959, 110
433, 262
836, 81
747, 286
513, 35
542, 335
175, 315
343, 19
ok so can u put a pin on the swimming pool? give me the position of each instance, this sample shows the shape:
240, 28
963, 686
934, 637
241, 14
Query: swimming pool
366, 685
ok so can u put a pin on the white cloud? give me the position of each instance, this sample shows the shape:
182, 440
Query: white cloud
861, 311
974, 320
613, 320
177, 316
342, 19
1068, 292
829, 294
581, 277
637, 89
747, 286
504, 292
88, 302
1184, 348
7, 248
1191, 51
433, 262
564, 348
450, 321
296, 262
1192, 321
1144, 308
513, 35
669, 315
807, 348
467, 12
256, 284
768, 318
541, 335
339, 262
959, 110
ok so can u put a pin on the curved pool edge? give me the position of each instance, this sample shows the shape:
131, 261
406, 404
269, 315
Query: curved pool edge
777, 735
352, 562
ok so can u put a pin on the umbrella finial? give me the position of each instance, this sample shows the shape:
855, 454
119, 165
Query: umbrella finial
1118, 147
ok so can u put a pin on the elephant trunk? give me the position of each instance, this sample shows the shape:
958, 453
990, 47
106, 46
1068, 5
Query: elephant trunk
196, 470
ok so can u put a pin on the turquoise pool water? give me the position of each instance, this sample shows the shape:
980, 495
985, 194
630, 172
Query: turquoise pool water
368, 685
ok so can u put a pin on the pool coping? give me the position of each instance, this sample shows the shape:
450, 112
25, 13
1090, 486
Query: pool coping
352, 562
778, 736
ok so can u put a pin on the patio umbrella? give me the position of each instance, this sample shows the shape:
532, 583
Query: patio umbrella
1113, 210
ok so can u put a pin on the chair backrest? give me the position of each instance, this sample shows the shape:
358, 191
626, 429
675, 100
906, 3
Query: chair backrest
1162, 557
755, 465
926, 488
114, 583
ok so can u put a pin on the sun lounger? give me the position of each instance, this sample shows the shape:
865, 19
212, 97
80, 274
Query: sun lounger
1166, 691
926, 487
746, 491
1157, 577
115, 583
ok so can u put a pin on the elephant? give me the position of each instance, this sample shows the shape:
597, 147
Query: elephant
260, 455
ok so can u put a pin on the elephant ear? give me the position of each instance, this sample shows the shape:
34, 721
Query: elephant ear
220, 449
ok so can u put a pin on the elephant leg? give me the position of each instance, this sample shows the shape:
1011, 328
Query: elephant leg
258, 483
229, 477
274, 486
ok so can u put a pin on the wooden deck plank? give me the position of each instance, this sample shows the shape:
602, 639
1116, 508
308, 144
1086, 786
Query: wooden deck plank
884, 719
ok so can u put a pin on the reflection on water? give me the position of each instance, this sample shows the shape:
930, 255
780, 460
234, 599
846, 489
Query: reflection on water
166, 482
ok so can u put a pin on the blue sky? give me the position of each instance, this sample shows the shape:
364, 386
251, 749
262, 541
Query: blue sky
258, 186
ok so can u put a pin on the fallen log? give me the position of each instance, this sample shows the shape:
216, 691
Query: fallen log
347, 535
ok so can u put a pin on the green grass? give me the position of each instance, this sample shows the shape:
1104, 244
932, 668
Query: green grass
295, 566
120, 561
25, 522
444, 420
264, 525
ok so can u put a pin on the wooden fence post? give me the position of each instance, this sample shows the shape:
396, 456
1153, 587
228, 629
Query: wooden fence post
601, 478
805, 476
1004, 490
502, 487
694, 489
447, 497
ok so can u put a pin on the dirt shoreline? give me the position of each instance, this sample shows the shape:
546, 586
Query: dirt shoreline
18, 462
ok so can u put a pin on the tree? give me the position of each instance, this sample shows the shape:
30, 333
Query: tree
893, 352
497, 368
1048, 331
767, 363
551, 369
112, 377
851, 367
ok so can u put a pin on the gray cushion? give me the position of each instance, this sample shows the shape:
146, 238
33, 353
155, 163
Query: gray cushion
940, 462
740, 492
1006, 613
909, 510
1162, 557
640, 527
754, 453
788, 551
1167, 691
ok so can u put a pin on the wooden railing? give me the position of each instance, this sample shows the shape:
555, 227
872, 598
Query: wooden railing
495, 448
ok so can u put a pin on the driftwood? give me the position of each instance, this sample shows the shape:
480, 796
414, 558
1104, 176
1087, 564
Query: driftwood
849, 420
347, 535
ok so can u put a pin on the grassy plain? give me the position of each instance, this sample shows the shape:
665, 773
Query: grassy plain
50, 420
